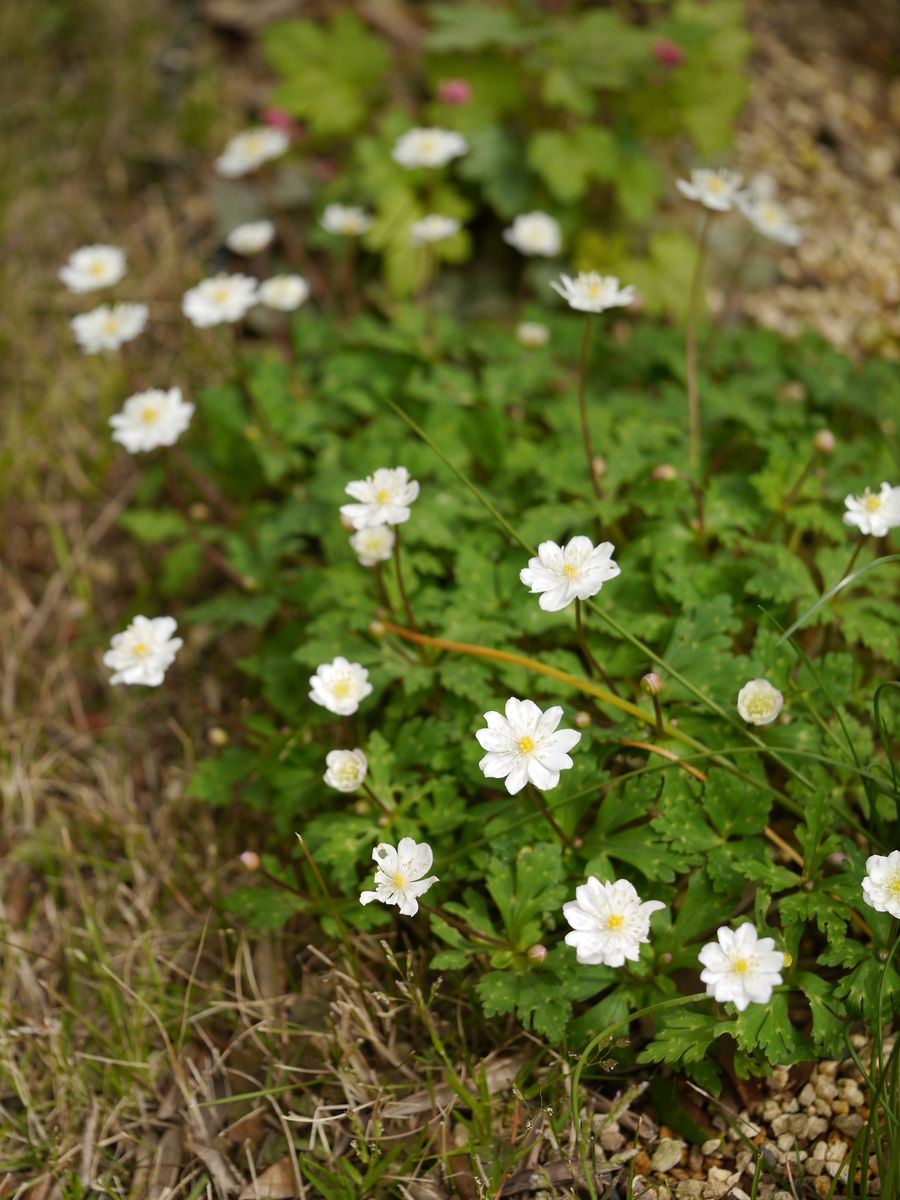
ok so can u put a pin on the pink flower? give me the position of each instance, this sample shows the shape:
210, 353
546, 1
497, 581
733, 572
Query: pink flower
668, 54
454, 91
278, 118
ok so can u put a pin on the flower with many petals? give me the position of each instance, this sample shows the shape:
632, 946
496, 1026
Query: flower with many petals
93, 267
346, 770
150, 419
526, 745
881, 886
741, 966
532, 334
349, 220
534, 233
283, 292
400, 875
428, 147
768, 218
339, 686
717, 190
384, 498
874, 513
109, 326
144, 651
609, 922
249, 150
250, 238
433, 228
374, 544
219, 300
590, 292
575, 571
759, 702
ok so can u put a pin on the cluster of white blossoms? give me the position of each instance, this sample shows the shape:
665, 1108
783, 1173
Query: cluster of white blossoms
250, 238
759, 702
433, 228
150, 419
220, 300
348, 220
576, 571
345, 770
283, 292
874, 513
248, 151
374, 544
593, 293
428, 147
339, 686
534, 233
724, 191
143, 652
93, 267
109, 326
383, 498
525, 746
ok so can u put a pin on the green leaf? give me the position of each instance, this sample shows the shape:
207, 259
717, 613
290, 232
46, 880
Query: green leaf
683, 1037
527, 888
264, 907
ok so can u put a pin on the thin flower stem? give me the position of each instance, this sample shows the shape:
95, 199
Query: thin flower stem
400, 584
589, 661
379, 804
853, 557
382, 589
693, 395
462, 926
788, 497
548, 817
582, 407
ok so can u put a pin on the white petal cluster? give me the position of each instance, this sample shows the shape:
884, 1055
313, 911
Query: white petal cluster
374, 544
248, 151
532, 334
433, 228
400, 875
93, 267
881, 886
874, 513
339, 686
346, 219
251, 237
109, 326
428, 147
609, 922
144, 651
534, 233
562, 574
345, 770
526, 745
717, 190
219, 300
759, 702
149, 419
384, 498
283, 292
768, 218
590, 292
741, 966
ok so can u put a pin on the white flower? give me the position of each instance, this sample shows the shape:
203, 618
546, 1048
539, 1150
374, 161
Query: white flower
713, 189
534, 233
347, 219
109, 326
768, 218
374, 544
93, 267
565, 573
346, 769
525, 744
220, 299
339, 686
590, 292
609, 922
428, 147
433, 228
284, 292
250, 238
532, 334
150, 419
881, 886
399, 875
144, 651
250, 149
759, 703
384, 498
874, 512
741, 967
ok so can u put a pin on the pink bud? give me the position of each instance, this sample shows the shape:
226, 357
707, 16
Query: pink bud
250, 860
218, 736
601, 466
325, 169
824, 441
537, 952
664, 471
582, 718
651, 683
668, 54
454, 91
280, 119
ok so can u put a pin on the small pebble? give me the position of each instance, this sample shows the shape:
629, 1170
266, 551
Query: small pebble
711, 1147
667, 1154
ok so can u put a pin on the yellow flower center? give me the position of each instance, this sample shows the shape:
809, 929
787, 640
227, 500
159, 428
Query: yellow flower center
110, 325
220, 294
341, 687
716, 185
398, 880
382, 495
741, 966
97, 268
149, 413
872, 503
759, 706
569, 571
769, 214
428, 145
894, 885
140, 649
594, 290
615, 921
526, 744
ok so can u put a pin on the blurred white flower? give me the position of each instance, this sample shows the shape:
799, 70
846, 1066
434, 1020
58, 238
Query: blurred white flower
759, 703
532, 334
384, 498
881, 886
534, 233
768, 218
144, 651
399, 875
339, 686
428, 147
741, 966
609, 922
374, 544
874, 513
150, 419
93, 267
526, 745
346, 769
717, 190
284, 292
590, 292
346, 219
562, 574
250, 238
220, 299
433, 228
249, 150
109, 326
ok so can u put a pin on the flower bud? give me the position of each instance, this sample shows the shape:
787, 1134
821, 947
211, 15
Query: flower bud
376, 628
250, 860
788, 959
824, 441
454, 91
217, 736
667, 53
665, 471
577, 843
651, 683
665, 958
582, 719
199, 511
278, 118
537, 952
600, 466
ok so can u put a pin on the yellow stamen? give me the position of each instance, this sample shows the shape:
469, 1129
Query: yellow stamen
526, 745
871, 502
149, 413
615, 921
96, 268
140, 649
341, 687
382, 495
569, 571
894, 885
741, 965
398, 880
